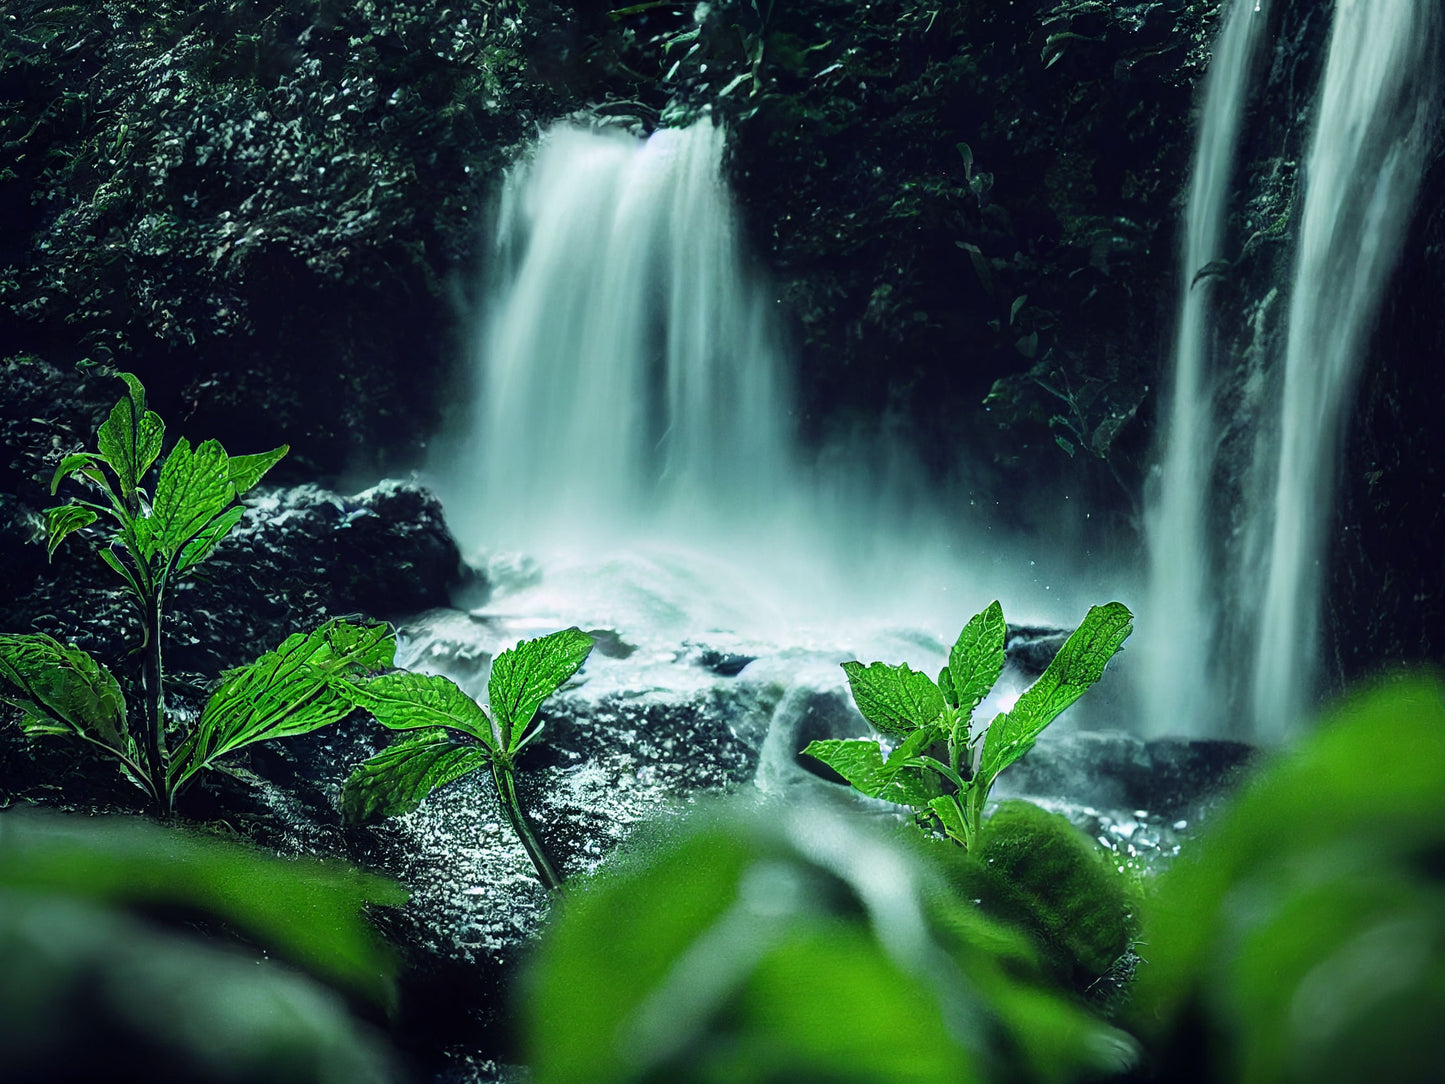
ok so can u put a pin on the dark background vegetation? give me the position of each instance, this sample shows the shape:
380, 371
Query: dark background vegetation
274, 215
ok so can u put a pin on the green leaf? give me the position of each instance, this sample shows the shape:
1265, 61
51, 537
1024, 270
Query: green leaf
976, 659
945, 686
79, 463
306, 683
529, 673
63, 520
199, 548
62, 690
246, 470
130, 438
1079, 663
112, 558
947, 811
194, 487
309, 911
397, 779
409, 701
895, 699
860, 761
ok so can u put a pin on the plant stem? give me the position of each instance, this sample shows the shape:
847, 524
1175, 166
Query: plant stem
512, 806
153, 698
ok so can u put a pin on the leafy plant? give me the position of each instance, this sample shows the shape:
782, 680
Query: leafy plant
154, 536
942, 765
107, 974
458, 736
795, 943
1303, 931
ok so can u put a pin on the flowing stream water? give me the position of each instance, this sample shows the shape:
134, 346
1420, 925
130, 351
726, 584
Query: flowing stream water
1372, 123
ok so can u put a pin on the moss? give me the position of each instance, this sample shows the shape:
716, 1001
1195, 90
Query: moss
1041, 874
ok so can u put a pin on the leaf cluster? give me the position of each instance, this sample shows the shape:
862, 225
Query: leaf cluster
160, 517
942, 764
455, 736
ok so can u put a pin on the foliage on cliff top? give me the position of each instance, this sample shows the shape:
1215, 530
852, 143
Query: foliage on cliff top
218, 193
957, 196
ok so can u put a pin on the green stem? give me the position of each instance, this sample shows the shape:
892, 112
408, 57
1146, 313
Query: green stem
154, 700
512, 806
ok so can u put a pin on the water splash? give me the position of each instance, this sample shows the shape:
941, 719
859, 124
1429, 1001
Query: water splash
633, 411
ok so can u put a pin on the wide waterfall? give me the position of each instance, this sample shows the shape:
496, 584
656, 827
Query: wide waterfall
627, 374
1243, 619
631, 426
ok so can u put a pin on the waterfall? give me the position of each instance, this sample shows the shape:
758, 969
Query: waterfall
1179, 665
626, 371
632, 405
1367, 154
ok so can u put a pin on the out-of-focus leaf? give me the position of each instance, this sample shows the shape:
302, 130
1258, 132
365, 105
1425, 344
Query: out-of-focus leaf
308, 910
1305, 929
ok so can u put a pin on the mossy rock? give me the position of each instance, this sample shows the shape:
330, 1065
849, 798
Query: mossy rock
1037, 871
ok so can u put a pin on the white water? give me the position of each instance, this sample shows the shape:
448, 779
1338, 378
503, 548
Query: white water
1179, 667
1367, 153
627, 372
632, 426
628, 464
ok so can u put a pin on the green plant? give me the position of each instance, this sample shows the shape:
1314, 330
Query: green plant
457, 736
137, 952
1303, 931
153, 537
796, 942
942, 765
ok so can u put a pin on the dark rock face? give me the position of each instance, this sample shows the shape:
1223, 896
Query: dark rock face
298, 557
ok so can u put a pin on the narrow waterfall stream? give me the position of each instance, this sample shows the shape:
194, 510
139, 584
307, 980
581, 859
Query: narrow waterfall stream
1179, 666
1367, 153
1367, 158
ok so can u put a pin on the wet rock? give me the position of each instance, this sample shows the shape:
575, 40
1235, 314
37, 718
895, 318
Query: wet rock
1171, 778
304, 554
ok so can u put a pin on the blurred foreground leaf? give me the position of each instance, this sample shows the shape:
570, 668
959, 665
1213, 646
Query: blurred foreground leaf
308, 911
1305, 932
91, 993
794, 944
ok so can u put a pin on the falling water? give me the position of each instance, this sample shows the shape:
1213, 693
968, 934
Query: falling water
631, 422
1365, 164
1178, 665
627, 374
1368, 151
